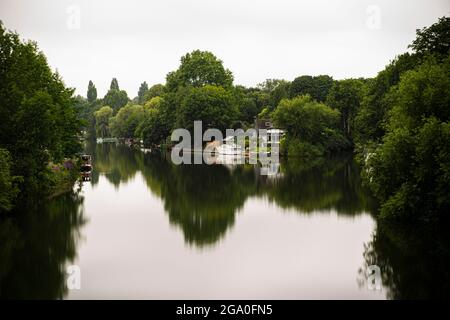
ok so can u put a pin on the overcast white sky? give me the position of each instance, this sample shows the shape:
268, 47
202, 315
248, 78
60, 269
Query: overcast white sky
143, 40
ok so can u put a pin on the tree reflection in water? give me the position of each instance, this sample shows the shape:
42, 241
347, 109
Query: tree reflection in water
37, 242
414, 261
204, 199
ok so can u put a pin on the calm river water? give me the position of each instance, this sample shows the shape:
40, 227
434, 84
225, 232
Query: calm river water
147, 229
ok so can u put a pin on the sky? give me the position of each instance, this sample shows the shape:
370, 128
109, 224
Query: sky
137, 40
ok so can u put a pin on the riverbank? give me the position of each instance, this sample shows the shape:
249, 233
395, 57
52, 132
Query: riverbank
63, 177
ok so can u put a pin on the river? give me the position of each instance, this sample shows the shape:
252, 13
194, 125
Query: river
145, 228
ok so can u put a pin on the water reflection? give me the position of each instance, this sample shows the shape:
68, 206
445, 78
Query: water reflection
289, 249
203, 202
415, 261
37, 242
204, 199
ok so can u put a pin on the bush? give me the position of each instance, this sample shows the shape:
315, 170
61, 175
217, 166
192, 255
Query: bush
8, 183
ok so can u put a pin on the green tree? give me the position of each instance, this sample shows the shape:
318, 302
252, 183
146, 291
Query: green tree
153, 103
102, 117
275, 90
142, 92
156, 90
213, 105
310, 125
92, 92
346, 96
197, 69
410, 170
370, 121
8, 183
434, 39
269, 85
40, 120
127, 119
262, 99
114, 84
374, 108
116, 99
248, 110
152, 129
304, 118
317, 87
279, 92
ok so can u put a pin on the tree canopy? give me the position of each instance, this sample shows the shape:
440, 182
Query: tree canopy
42, 122
116, 99
213, 105
92, 92
317, 87
142, 91
197, 69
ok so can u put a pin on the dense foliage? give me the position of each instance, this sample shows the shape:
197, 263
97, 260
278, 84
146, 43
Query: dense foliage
317, 87
40, 122
403, 130
410, 169
397, 121
312, 127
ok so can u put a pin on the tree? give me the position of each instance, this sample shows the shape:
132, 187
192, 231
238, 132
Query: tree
39, 117
248, 110
213, 105
269, 85
102, 117
116, 99
114, 84
281, 91
317, 87
374, 108
370, 121
8, 185
304, 118
152, 129
346, 96
410, 170
142, 91
156, 90
434, 39
274, 90
125, 122
310, 125
92, 92
153, 103
199, 68
262, 99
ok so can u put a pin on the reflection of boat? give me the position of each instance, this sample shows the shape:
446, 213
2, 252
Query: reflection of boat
229, 147
86, 167
103, 140
146, 150
86, 158
230, 159
86, 171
